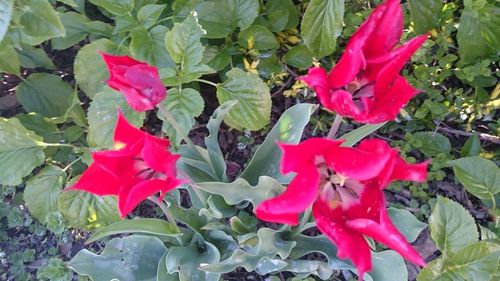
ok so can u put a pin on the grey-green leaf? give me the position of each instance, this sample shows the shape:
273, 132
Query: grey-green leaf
253, 110
20, 151
46, 94
5, 15
479, 176
388, 265
130, 258
41, 191
452, 227
289, 128
406, 223
321, 25
360, 133
187, 260
102, 116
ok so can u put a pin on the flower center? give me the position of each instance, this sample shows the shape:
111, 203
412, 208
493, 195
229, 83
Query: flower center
337, 189
144, 172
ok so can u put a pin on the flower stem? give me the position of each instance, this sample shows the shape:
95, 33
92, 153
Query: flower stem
335, 127
303, 222
166, 211
206, 82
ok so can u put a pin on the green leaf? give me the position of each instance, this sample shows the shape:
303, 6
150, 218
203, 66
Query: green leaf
130, 258
41, 191
360, 133
149, 14
452, 227
255, 247
196, 165
277, 7
5, 15
46, 94
479, 176
20, 151
289, 129
102, 116
216, 58
478, 34
75, 25
39, 21
9, 60
85, 210
253, 110
149, 226
182, 8
35, 57
221, 17
184, 106
425, 14
116, 7
388, 265
321, 25
217, 161
90, 70
162, 273
406, 223
472, 147
257, 37
149, 46
240, 190
299, 56
475, 262
431, 143
187, 260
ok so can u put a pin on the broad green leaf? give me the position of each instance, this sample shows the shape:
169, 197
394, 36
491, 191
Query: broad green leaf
116, 7
388, 265
90, 70
215, 58
5, 15
126, 23
452, 227
425, 14
360, 133
487, 234
20, 151
182, 8
184, 106
39, 124
478, 34
406, 223
431, 143
41, 191
276, 6
479, 176
472, 147
34, 57
149, 46
85, 210
240, 190
257, 37
46, 94
75, 25
131, 258
162, 273
221, 17
39, 21
102, 116
255, 247
477, 261
253, 110
321, 25
289, 128
9, 60
187, 260
149, 226
299, 56
196, 165
212, 140
149, 14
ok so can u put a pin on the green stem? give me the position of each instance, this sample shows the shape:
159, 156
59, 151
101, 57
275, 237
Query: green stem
165, 19
72, 163
206, 82
303, 222
57, 145
166, 211
493, 202
335, 127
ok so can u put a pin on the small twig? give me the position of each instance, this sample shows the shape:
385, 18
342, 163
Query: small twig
483, 136
283, 87
335, 127
293, 73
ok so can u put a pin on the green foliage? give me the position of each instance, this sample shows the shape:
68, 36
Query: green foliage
55, 270
425, 14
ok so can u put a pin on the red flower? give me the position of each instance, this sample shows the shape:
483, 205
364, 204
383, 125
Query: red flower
139, 82
140, 166
345, 187
365, 84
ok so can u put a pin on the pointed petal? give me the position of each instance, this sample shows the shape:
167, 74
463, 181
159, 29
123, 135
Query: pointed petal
134, 98
125, 134
349, 65
298, 196
317, 79
98, 181
130, 197
410, 172
350, 244
343, 103
112, 60
119, 163
146, 80
155, 153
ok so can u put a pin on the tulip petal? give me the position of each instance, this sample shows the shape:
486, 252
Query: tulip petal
349, 65
342, 102
98, 181
125, 134
155, 153
317, 79
129, 198
305, 153
299, 195
409, 172
134, 98
112, 61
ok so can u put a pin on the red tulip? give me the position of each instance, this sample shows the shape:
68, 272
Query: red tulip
140, 166
365, 85
139, 82
345, 188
